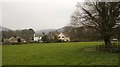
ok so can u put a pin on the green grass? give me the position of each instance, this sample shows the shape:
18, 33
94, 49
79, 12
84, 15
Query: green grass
57, 54
0, 55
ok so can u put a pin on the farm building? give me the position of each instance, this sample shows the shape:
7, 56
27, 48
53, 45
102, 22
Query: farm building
15, 40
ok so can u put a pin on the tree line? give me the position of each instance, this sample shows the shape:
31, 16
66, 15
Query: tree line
26, 34
51, 37
82, 34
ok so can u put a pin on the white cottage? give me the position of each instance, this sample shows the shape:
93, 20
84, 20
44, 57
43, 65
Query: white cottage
37, 39
62, 37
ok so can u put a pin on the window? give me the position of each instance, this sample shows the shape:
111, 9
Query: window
59, 37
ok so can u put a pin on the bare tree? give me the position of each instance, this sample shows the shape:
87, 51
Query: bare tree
101, 16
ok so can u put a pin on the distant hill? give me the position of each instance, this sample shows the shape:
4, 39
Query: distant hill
4, 29
45, 31
49, 30
60, 29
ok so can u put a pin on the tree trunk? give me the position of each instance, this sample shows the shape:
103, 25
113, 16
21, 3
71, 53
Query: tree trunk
107, 41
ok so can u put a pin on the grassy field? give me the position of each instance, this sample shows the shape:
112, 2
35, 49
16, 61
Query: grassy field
0, 55
57, 54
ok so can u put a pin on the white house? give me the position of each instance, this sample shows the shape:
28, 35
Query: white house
62, 37
37, 39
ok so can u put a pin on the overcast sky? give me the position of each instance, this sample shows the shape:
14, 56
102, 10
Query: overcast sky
42, 14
